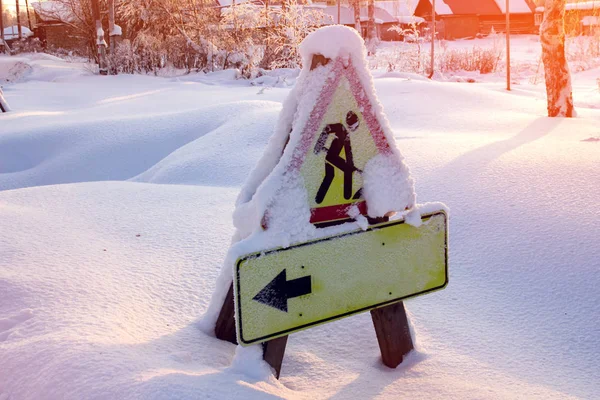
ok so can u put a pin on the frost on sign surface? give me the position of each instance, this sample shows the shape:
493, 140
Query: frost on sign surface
341, 136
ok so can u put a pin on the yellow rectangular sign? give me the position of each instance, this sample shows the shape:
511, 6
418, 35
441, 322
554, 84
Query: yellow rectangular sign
282, 291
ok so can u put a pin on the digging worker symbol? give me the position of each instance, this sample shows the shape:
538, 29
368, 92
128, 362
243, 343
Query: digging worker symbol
334, 159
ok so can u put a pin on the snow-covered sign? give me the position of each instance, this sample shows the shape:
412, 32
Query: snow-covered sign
315, 241
287, 290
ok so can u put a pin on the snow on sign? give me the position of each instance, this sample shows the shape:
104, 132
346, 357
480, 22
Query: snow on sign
339, 178
318, 230
286, 290
341, 136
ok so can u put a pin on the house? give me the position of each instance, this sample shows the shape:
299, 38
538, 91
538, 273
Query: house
469, 18
384, 21
54, 28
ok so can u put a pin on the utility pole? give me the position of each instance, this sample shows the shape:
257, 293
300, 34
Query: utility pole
507, 45
100, 42
339, 11
19, 20
28, 15
433, 38
111, 24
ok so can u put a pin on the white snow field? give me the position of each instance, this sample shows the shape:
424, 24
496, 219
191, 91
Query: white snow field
116, 201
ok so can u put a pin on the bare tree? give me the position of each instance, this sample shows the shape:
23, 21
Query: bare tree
558, 77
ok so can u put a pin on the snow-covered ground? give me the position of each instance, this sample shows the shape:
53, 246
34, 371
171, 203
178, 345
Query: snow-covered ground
116, 195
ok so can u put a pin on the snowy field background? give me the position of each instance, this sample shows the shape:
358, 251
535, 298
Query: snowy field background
116, 196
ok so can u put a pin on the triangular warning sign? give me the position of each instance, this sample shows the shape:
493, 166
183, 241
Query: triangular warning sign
338, 158
341, 136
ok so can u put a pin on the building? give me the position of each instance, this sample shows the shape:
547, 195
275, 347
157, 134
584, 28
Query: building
469, 18
385, 22
55, 30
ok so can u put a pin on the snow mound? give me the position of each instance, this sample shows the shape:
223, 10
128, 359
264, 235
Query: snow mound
207, 160
14, 71
101, 283
40, 67
174, 150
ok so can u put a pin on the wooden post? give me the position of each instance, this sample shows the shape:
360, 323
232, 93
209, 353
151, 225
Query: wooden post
225, 326
507, 44
111, 25
433, 28
273, 350
393, 333
391, 325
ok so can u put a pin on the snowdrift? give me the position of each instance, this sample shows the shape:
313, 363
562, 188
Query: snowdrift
102, 283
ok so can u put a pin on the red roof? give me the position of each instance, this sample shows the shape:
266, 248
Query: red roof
474, 7
482, 7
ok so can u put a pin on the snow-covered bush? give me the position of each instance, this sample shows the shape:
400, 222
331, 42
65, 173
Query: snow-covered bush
482, 60
287, 29
583, 52
27, 45
194, 35
410, 57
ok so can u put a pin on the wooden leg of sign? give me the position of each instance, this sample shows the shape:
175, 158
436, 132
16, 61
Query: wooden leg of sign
273, 350
393, 333
225, 326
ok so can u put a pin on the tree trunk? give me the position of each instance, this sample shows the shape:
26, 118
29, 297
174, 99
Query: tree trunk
268, 55
19, 20
558, 77
2, 26
100, 43
28, 15
372, 37
356, 7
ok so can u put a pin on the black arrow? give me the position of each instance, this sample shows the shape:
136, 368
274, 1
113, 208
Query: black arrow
279, 290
